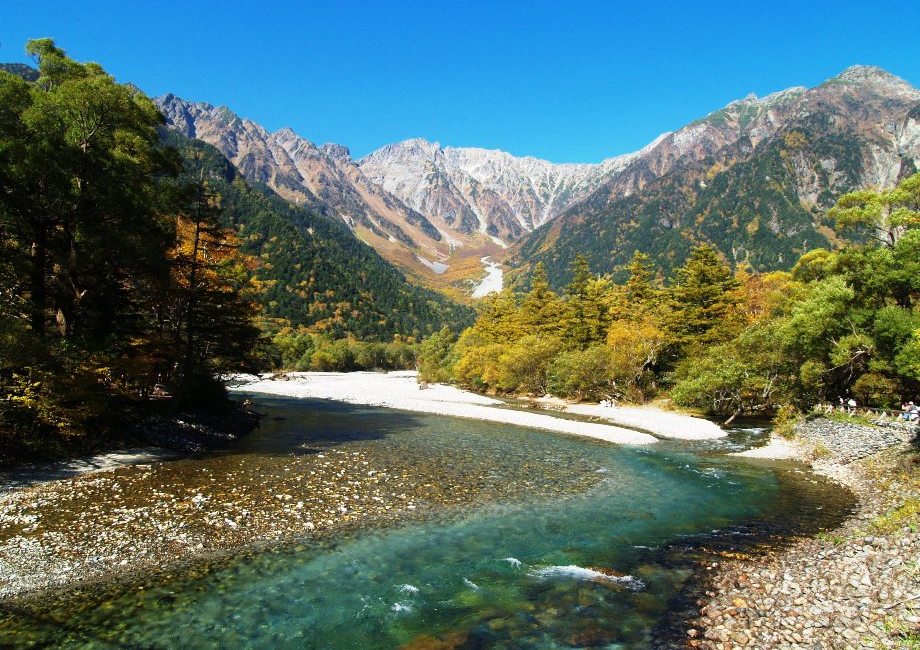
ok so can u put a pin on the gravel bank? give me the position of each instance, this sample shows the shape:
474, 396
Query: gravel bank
401, 390
855, 587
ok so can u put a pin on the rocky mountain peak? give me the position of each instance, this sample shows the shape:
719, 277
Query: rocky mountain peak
337, 151
27, 72
868, 73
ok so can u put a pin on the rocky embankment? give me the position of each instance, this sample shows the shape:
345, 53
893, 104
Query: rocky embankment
854, 587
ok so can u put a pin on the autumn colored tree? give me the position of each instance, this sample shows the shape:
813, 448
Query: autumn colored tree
211, 302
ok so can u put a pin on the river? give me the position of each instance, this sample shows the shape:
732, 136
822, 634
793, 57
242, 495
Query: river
523, 539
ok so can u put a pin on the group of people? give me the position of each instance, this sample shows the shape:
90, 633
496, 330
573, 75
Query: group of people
909, 412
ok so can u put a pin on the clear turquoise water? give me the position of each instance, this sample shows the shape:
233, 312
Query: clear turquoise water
513, 571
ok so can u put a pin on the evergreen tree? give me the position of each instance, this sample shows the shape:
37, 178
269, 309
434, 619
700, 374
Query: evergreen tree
541, 309
701, 298
581, 276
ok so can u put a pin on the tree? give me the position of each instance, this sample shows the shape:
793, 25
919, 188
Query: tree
701, 299
583, 374
498, 316
635, 347
212, 306
89, 219
587, 310
541, 310
640, 293
434, 356
581, 275
746, 375
523, 365
885, 216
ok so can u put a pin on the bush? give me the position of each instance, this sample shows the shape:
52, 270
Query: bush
524, 365
785, 421
584, 374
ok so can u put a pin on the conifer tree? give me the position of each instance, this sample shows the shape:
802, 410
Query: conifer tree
701, 298
541, 310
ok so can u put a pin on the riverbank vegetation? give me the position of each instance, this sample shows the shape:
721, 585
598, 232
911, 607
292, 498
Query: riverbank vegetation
724, 341
118, 276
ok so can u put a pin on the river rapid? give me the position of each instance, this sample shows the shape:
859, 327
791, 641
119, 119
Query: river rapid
483, 535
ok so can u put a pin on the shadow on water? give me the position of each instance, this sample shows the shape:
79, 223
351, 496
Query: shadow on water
308, 426
29, 475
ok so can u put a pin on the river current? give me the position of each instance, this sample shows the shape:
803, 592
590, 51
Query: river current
568, 543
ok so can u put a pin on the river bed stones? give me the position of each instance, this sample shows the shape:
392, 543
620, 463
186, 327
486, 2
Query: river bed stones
854, 587
122, 520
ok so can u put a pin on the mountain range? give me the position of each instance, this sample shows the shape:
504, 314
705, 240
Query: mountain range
752, 178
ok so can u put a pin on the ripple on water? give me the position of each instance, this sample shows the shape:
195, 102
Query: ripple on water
496, 499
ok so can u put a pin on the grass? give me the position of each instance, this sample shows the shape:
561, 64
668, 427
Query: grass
820, 451
829, 538
908, 636
907, 514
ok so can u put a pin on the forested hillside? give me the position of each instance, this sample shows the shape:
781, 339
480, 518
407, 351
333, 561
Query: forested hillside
841, 323
313, 271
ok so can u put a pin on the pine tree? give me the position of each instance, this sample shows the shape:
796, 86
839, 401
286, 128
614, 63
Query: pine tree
701, 298
541, 310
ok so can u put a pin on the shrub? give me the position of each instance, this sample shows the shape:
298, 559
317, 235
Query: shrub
584, 374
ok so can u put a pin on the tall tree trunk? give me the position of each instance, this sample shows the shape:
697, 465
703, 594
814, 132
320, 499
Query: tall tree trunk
37, 286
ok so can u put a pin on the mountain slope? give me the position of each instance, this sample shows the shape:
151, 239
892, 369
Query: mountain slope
323, 179
753, 179
27, 72
483, 190
316, 272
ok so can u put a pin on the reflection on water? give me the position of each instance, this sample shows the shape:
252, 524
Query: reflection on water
583, 549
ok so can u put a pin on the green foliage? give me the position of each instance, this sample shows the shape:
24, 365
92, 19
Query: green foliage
701, 299
584, 374
875, 389
841, 323
786, 418
523, 366
434, 357
116, 274
884, 216
540, 308
742, 200
848, 327
749, 374
302, 350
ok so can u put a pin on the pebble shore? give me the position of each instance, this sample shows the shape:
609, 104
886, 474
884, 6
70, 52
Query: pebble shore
854, 587
127, 522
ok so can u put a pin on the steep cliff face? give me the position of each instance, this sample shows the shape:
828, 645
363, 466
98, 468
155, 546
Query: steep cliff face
754, 178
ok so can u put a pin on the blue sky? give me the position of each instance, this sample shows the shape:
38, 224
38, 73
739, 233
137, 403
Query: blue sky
565, 81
